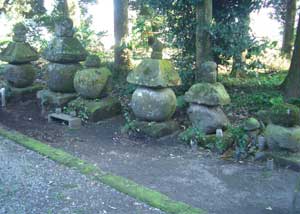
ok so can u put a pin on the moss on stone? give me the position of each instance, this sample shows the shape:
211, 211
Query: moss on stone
144, 194
55, 99
153, 104
20, 76
28, 90
181, 103
208, 94
285, 115
65, 50
61, 76
96, 110
156, 129
90, 83
154, 73
18, 52
283, 138
251, 124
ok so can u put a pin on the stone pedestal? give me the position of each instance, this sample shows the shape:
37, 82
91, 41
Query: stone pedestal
14, 92
55, 99
96, 110
156, 129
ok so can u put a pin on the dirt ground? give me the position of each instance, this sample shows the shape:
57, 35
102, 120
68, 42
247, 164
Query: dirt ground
198, 178
30, 183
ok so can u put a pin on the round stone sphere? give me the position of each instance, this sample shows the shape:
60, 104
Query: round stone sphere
155, 105
20, 76
61, 77
90, 82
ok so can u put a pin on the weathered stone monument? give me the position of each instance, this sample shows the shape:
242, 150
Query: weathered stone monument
205, 112
19, 72
92, 83
64, 53
208, 72
283, 130
154, 102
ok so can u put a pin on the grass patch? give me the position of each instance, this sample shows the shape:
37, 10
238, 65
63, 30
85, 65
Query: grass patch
144, 194
264, 80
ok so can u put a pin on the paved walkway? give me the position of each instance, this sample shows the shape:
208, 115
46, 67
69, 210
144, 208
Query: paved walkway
32, 184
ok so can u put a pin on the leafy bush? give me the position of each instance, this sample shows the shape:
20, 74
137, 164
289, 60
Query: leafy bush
192, 134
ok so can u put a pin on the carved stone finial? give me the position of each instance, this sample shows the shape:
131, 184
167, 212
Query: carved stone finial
19, 31
62, 8
64, 27
157, 49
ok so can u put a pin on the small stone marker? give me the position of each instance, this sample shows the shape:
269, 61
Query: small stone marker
73, 122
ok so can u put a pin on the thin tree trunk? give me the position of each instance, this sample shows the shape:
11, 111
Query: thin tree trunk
122, 58
289, 28
291, 84
239, 64
203, 40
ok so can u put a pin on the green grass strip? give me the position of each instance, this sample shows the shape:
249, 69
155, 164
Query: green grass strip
139, 192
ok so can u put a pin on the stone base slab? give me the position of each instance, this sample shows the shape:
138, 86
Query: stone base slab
96, 110
50, 98
156, 129
14, 92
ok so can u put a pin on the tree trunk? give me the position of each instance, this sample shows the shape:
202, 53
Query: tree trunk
289, 28
291, 84
239, 64
203, 40
122, 54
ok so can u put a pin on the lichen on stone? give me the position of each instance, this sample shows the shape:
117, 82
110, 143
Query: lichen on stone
154, 73
208, 94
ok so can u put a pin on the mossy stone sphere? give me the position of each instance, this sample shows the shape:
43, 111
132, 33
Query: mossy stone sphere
153, 104
90, 82
20, 76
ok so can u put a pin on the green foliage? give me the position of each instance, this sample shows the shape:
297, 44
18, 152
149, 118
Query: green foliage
230, 32
240, 139
255, 101
80, 109
259, 81
90, 39
192, 134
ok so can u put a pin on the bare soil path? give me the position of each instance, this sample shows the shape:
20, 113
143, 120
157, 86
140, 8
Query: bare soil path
197, 178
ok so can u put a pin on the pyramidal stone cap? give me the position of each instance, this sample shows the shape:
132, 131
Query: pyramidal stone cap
18, 53
20, 32
65, 50
154, 73
208, 94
